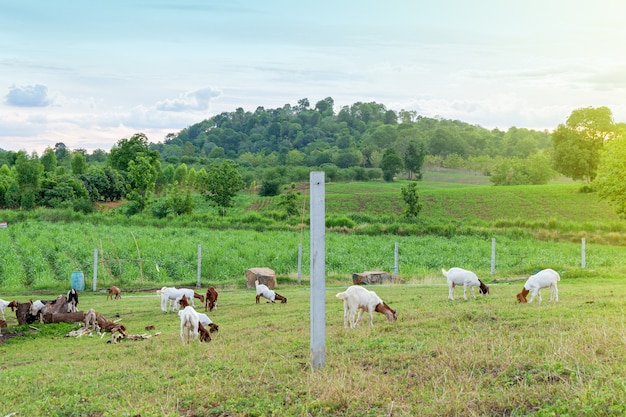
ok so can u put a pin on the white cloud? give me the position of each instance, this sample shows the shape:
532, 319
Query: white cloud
28, 96
198, 100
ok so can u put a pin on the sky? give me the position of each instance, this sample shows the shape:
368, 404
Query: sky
89, 73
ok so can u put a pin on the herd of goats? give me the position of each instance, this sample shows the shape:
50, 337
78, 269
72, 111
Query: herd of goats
195, 325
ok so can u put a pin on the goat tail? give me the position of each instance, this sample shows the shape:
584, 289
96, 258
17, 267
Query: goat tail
444, 272
342, 295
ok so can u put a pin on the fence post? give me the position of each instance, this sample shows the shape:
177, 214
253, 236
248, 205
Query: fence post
299, 262
94, 283
199, 265
318, 270
395, 260
493, 256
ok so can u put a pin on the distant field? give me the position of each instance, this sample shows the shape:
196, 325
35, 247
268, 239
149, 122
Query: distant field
451, 195
535, 227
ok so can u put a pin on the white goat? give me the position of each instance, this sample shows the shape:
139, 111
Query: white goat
206, 324
358, 298
263, 290
173, 295
5, 304
189, 322
460, 276
542, 279
35, 309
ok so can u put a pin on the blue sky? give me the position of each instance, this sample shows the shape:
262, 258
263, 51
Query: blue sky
91, 73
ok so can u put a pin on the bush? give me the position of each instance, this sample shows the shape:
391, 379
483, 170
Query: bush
269, 188
340, 222
133, 207
83, 205
159, 209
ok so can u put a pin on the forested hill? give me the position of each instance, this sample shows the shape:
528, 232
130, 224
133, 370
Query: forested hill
356, 135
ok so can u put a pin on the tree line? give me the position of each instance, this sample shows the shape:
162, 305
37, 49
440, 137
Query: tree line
266, 149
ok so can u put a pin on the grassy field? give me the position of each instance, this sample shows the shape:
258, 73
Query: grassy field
484, 357
535, 227
488, 357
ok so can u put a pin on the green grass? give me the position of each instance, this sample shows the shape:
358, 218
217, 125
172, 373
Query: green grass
534, 226
488, 356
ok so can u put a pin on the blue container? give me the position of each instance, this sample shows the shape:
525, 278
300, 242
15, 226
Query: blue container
78, 281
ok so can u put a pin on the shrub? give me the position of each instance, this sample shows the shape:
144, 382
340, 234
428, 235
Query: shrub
269, 188
340, 222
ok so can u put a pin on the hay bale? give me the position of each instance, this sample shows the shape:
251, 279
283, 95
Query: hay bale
265, 276
373, 277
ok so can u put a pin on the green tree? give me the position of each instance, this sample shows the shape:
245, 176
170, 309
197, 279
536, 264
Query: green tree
142, 176
49, 160
288, 201
62, 153
180, 175
577, 143
533, 170
411, 198
414, 159
391, 164
221, 184
127, 149
79, 163
28, 175
611, 179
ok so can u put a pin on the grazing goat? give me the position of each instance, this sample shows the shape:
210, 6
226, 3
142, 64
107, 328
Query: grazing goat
459, 276
173, 295
72, 301
204, 319
189, 324
358, 298
542, 279
4, 304
91, 320
114, 292
210, 299
35, 309
263, 291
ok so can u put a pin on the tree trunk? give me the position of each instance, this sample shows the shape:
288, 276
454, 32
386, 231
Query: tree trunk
77, 317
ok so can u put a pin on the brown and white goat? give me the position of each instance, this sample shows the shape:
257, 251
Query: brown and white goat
4, 304
210, 299
114, 292
358, 298
204, 319
546, 278
263, 290
460, 276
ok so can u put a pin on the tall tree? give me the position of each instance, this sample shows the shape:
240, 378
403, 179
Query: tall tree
391, 164
29, 173
414, 159
577, 143
49, 160
127, 149
142, 176
79, 163
221, 183
611, 179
